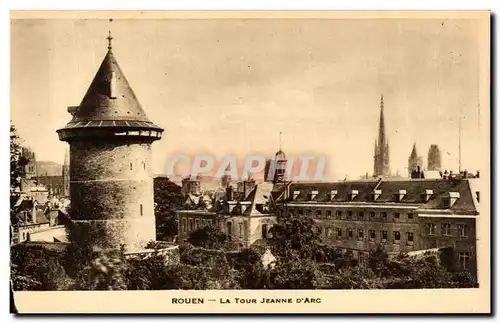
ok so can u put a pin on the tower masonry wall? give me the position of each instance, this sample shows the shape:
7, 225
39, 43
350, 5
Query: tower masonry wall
112, 192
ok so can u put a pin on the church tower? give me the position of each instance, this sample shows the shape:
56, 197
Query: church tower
434, 158
414, 161
381, 154
111, 181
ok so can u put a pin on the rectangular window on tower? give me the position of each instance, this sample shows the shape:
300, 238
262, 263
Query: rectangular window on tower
112, 86
141, 210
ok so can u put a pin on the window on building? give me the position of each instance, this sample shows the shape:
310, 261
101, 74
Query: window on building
397, 236
396, 215
477, 196
209, 222
309, 211
349, 215
191, 225
384, 216
339, 233
409, 238
350, 235
264, 230
462, 230
431, 229
130, 166
184, 225
319, 213
319, 230
240, 228
372, 235
361, 235
197, 224
372, 215
328, 213
204, 222
229, 226
446, 229
338, 214
329, 233
24, 236
463, 258
140, 207
301, 212
361, 215
410, 216
384, 235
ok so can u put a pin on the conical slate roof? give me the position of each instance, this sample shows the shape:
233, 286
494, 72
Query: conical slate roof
110, 101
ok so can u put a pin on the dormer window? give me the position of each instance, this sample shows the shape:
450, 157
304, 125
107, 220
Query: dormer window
352, 194
401, 195
295, 194
376, 194
333, 194
112, 86
427, 195
313, 195
451, 199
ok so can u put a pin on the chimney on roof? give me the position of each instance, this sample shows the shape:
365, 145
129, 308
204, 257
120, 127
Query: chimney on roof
229, 193
313, 195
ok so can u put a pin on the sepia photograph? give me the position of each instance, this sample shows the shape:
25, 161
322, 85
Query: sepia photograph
288, 153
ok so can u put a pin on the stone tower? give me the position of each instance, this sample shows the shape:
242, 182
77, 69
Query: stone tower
434, 158
111, 181
414, 161
381, 155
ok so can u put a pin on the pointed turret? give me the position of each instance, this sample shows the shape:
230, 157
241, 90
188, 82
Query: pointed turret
109, 104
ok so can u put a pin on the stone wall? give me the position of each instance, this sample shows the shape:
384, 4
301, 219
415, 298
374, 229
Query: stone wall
111, 189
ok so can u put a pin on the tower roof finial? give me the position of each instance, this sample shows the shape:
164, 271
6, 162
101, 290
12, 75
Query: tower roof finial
109, 38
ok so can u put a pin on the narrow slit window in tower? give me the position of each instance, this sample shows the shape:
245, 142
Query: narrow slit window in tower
141, 209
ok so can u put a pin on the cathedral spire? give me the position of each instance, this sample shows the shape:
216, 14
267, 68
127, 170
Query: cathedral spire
381, 129
381, 156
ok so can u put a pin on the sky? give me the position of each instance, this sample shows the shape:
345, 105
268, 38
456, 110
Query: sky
230, 86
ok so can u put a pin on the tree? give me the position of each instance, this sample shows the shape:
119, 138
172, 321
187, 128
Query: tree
294, 233
168, 198
208, 237
296, 272
17, 163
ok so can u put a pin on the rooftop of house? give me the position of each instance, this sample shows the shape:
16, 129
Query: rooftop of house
423, 193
